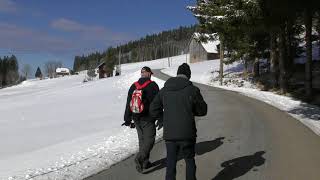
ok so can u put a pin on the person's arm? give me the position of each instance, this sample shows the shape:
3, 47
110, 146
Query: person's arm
152, 90
156, 107
156, 89
200, 107
156, 110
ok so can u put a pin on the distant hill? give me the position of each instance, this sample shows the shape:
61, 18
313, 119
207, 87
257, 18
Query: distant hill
164, 44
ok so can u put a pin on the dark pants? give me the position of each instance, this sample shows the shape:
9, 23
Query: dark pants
146, 135
187, 149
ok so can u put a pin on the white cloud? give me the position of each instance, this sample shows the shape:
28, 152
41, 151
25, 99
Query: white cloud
89, 32
67, 25
82, 40
73, 26
26, 39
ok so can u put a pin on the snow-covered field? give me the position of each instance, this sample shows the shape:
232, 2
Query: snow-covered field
66, 129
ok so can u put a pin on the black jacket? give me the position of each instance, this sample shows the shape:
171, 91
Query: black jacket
149, 93
178, 102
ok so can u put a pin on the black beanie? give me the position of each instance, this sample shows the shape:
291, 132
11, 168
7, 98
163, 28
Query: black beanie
184, 69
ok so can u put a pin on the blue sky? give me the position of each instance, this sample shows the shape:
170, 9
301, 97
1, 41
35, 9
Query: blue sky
37, 31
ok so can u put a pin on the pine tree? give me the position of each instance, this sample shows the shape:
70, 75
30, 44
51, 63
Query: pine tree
13, 73
237, 24
38, 73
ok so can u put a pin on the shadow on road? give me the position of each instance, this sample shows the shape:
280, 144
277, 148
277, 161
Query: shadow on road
307, 111
207, 146
201, 148
237, 167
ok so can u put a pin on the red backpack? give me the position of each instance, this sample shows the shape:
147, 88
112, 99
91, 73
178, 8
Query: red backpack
136, 104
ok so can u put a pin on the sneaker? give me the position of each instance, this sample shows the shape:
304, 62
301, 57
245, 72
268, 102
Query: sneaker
138, 165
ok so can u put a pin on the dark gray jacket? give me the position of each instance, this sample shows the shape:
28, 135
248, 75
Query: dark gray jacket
178, 102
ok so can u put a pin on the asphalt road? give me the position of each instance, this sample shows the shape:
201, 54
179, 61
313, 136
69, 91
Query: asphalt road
240, 138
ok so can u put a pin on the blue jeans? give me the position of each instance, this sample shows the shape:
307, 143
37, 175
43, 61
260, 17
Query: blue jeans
187, 149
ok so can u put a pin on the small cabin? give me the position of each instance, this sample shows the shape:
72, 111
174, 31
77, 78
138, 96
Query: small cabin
101, 70
203, 51
60, 72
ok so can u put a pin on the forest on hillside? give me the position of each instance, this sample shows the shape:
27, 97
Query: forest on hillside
164, 44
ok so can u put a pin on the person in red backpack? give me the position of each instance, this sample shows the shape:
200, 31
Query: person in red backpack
140, 96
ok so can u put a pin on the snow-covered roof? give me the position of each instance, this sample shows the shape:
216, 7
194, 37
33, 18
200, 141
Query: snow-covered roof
102, 63
62, 70
210, 46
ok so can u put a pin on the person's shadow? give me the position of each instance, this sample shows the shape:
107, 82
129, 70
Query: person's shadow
237, 167
200, 149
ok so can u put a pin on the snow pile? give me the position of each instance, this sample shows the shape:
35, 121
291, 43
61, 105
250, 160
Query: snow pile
207, 72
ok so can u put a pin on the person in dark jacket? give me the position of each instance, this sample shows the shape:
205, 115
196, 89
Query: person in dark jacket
144, 123
178, 102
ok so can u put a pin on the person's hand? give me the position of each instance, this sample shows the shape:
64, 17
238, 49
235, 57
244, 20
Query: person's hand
129, 124
159, 124
132, 125
126, 123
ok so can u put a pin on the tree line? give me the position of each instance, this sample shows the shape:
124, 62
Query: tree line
276, 30
164, 44
9, 71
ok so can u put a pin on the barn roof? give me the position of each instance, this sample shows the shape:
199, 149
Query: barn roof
210, 46
101, 64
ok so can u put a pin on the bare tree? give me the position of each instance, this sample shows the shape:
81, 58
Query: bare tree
51, 66
26, 70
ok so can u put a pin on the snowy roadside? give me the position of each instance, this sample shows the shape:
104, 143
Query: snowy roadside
203, 72
93, 160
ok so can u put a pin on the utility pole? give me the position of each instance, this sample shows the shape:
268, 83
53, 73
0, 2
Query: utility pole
187, 51
187, 58
168, 52
119, 66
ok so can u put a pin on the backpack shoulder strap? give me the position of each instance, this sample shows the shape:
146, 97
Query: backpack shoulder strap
145, 84
138, 86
